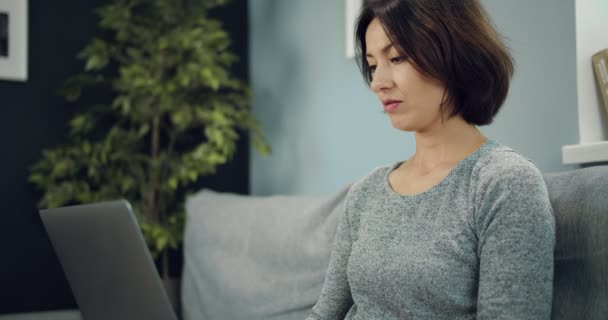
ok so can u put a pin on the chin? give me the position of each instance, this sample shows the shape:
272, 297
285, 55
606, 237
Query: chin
404, 126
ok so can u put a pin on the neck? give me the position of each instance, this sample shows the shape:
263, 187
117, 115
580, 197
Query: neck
446, 144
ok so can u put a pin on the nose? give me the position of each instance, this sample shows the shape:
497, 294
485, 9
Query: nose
381, 79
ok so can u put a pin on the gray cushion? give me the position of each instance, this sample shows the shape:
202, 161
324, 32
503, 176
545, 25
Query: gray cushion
580, 204
251, 257
266, 257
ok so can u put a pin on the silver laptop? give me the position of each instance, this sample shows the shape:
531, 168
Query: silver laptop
107, 262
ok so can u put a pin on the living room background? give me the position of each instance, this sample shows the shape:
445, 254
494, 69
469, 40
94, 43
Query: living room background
324, 126
327, 129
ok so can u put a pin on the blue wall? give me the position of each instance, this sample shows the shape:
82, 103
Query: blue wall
327, 129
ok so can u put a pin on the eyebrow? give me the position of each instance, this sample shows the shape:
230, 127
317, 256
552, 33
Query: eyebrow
383, 50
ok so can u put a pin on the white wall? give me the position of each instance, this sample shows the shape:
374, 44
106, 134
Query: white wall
592, 36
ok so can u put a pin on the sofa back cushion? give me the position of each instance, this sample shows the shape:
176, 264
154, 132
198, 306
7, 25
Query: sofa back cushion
248, 257
580, 203
266, 257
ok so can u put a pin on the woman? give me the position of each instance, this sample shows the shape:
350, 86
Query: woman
464, 228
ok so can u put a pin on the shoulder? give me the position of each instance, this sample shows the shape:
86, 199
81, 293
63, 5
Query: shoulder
369, 187
372, 183
504, 167
509, 186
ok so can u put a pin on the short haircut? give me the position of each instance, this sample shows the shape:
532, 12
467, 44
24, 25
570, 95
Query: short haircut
452, 41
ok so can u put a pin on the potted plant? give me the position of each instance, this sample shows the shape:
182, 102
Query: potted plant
174, 114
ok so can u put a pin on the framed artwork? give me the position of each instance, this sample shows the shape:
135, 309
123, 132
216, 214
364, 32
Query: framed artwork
352, 9
13, 40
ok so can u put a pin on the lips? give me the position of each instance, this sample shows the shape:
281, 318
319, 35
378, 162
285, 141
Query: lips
390, 105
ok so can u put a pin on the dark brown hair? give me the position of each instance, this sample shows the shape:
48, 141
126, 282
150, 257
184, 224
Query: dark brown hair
452, 41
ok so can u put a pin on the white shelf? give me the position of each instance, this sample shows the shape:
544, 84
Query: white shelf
591, 23
585, 153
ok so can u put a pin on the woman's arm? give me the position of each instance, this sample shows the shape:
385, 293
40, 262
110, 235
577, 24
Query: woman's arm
335, 299
516, 231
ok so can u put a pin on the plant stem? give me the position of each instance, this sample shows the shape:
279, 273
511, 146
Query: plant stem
166, 263
155, 144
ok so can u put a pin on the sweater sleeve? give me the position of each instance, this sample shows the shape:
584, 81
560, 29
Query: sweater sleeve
516, 234
336, 300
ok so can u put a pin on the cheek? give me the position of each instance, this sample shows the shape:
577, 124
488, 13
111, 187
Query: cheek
423, 90
419, 91
434, 94
410, 81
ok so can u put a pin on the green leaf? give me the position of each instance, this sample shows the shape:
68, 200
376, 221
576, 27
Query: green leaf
122, 103
86, 148
260, 144
95, 62
78, 122
210, 79
37, 179
143, 130
127, 184
96, 55
163, 43
61, 168
161, 242
173, 183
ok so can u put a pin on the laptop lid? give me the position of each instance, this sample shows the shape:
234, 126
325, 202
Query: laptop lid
107, 262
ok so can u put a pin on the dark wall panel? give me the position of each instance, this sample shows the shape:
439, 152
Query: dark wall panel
33, 117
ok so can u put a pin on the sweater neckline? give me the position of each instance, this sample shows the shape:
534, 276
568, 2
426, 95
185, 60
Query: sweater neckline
471, 158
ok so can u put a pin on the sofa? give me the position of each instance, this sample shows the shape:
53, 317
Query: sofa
265, 257
250, 257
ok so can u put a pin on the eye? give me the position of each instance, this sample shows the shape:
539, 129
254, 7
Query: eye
398, 59
372, 68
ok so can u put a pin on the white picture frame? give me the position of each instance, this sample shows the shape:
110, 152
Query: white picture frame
352, 9
13, 40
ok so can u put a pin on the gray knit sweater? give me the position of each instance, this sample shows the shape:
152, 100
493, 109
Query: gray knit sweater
478, 245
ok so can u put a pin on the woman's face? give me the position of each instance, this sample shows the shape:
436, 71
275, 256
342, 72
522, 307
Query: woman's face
411, 99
